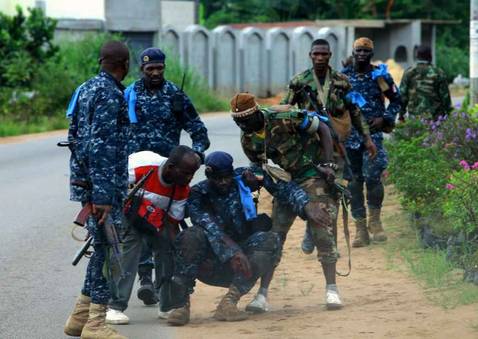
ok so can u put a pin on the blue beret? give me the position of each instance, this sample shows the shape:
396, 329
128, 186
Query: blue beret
219, 162
152, 55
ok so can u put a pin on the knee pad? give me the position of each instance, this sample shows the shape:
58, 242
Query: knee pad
375, 194
191, 242
266, 255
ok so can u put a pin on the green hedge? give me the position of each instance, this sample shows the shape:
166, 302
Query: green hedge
434, 164
40, 104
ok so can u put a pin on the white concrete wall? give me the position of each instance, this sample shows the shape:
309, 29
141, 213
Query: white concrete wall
178, 14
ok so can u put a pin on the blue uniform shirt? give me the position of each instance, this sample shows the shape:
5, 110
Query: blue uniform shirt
157, 128
374, 106
99, 130
222, 216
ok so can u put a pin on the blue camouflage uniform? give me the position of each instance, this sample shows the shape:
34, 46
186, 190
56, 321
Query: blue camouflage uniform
98, 130
157, 128
364, 169
221, 230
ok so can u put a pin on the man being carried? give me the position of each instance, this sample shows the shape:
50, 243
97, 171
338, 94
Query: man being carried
155, 212
229, 244
375, 84
323, 89
424, 88
301, 145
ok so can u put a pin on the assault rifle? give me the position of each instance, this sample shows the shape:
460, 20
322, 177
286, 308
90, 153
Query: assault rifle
177, 102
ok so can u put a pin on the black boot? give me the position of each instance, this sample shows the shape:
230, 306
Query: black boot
146, 292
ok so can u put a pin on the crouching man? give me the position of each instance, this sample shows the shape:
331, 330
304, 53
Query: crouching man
229, 245
153, 216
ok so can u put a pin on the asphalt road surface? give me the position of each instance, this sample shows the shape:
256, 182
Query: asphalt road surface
38, 284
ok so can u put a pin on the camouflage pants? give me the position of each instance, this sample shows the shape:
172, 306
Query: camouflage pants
96, 285
364, 170
283, 217
195, 259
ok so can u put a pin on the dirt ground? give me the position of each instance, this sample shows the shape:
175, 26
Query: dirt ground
379, 302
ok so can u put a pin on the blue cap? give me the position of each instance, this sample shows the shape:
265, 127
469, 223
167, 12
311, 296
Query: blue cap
219, 162
152, 55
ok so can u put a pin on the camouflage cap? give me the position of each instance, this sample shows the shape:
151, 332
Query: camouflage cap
363, 42
243, 105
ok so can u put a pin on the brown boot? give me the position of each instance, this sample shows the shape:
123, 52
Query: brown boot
77, 320
375, 225
227, 309
362, 238
180, 316
96, 328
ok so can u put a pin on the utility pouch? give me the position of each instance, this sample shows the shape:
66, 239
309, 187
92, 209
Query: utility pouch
262, 223
144, 216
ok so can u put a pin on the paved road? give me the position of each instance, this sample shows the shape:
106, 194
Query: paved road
38, 285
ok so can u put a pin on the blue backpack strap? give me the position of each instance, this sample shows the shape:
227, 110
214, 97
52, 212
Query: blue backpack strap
247, 201
130, 97
73, 102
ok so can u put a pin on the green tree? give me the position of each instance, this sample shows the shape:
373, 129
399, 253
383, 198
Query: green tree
25, 43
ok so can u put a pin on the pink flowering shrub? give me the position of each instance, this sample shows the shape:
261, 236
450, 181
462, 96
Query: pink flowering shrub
461, 203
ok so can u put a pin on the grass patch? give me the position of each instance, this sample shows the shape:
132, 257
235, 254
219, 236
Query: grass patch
442, 282
12, 127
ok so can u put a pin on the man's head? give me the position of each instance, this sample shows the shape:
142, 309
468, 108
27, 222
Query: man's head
362, 51
181, 165
114, 58
320, 54
424, 53
153, 66
219, 171
246, 113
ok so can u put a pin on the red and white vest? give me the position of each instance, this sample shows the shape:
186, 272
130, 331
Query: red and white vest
156, 193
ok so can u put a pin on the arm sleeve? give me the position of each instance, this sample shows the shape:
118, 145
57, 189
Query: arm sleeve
392, 94
287, 193
195, 127
404, 94
103, 148
444, 95
288, 97
356, 116
201, 215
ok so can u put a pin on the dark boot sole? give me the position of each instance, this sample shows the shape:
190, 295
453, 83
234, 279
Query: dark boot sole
147, 295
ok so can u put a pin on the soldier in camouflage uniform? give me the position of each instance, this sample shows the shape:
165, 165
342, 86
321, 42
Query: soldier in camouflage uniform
302, 146
331, 93
424, 88
98, 131
158, 111
230, 245
374, 83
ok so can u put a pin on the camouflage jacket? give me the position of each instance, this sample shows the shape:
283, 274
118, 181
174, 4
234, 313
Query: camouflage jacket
158, 129
424, 90
375, 102
340, 97
222, 216
293, 149
99, 131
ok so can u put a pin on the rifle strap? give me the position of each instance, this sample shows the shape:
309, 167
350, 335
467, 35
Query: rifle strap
323, 91
345, 218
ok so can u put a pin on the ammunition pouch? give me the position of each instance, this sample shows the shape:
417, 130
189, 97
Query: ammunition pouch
144, 216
